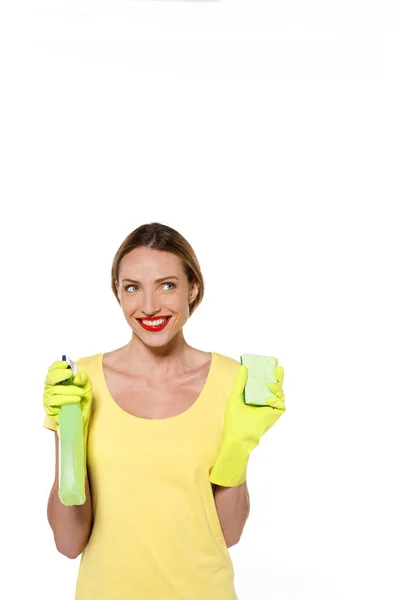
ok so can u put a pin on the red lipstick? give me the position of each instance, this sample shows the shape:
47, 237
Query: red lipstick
157, 327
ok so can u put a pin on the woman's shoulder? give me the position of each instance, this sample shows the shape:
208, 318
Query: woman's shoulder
85, 362
221, 361
223, 377
228, 361
227, 366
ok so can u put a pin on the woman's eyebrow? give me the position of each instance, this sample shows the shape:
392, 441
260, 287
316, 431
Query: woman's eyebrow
156, 280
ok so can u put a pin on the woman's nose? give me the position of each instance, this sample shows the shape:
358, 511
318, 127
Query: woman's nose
150, 305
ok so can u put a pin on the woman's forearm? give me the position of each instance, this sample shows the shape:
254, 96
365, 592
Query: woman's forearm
233, 508
71, 525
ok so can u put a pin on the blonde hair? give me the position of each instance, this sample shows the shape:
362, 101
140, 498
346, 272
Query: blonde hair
163, 238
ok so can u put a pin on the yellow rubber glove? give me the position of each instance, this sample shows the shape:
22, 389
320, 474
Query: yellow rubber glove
77, 390
243, 427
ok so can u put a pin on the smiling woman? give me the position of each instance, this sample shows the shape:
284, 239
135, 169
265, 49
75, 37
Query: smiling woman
153, 525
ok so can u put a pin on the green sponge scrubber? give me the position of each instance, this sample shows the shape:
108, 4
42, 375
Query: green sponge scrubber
260, 373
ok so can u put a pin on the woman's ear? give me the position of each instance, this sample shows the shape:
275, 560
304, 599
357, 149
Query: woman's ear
193, 292
117, 290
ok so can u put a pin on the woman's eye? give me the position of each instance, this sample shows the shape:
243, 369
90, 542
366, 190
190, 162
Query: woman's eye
135, 286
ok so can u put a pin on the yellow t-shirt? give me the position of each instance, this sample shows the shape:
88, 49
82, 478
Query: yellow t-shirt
156, 533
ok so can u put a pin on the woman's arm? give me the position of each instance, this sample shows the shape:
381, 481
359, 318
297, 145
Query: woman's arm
71, 525
233, 508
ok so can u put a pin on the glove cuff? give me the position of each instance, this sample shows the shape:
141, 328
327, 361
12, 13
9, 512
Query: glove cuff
230, 468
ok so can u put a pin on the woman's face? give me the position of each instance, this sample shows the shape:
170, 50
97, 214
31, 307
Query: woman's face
141, 295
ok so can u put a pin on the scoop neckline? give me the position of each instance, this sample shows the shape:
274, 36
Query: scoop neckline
129, 415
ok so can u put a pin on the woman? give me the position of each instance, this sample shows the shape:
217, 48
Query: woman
166, 443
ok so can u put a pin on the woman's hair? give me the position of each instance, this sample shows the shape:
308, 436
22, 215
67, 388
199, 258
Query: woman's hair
163, 238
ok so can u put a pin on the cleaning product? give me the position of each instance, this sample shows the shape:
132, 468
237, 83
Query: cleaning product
71, 457
260, 373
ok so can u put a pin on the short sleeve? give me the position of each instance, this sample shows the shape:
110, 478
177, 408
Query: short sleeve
50, 423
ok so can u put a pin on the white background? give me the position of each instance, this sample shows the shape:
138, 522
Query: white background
267, 133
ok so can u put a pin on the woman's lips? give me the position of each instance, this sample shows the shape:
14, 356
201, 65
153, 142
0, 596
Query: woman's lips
157, 328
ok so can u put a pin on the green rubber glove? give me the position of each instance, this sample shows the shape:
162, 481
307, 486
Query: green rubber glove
77, 390
243, 427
